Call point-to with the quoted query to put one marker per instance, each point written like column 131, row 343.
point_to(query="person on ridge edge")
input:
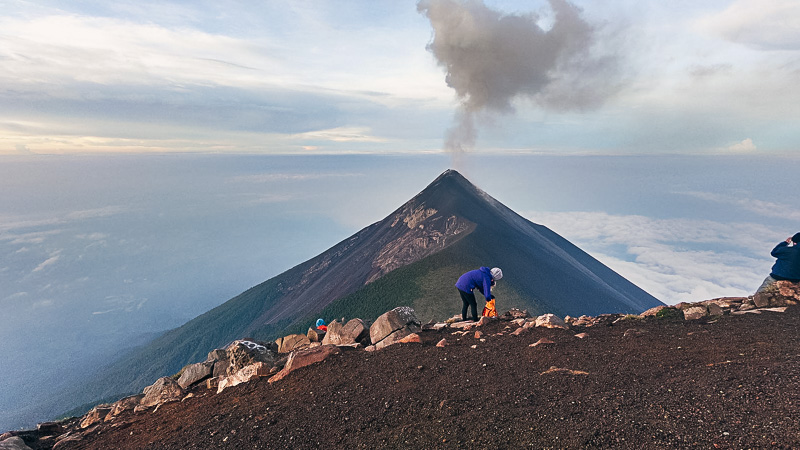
column 479, row 278
column 787, row 266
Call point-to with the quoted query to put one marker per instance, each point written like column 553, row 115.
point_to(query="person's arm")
column 780, row 248
column 487, row 287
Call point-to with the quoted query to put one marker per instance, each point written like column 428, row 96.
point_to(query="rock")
column 581, row 335
column 411, row 338
column 49, row 428
column 782, row 293
column 746, row 305
column 541, row 342
column 66, row 441
column 550, row 321
column 442, row 343
column 529, row 324
column 393, row 338
column 243, row 375
column 96, row 415
column 194, row 373
column 123, row 404
column 13, row 443
column 292, row 342
column 727, row 302
column 212, row 383
column 163, row 390
column 518, row 331
column 514, row 313
column 519, row 322
column 554, row 369
column 353, row 332
column 304, row 358
column 484, row 320
column 242, row 353
column 463, row 325
column 694, row 312
column 780, row 309
column 652, row 311
column 633, row 332
column 315, row 334
column 714, row 309
column 478, row 335
column 388, row 323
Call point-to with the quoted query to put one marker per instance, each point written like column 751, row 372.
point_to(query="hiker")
column 787, row 265
column 321, row 325
column 479, row 278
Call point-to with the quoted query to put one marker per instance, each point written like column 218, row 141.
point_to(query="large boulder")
column 165, row 389
column 244, row 375
column 306, row 357
column 353, row 332
column 782, row 293
column 292, row 342
column 399, row 321
column 550, row 321
column 13, row 443
column 315, row 334
column 242, row 353
column 194, row 373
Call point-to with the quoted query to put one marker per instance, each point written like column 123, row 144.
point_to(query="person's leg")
column 474, row 305
column 465, row 304
column 769, row 281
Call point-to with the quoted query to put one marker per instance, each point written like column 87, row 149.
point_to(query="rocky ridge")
column 245, row 360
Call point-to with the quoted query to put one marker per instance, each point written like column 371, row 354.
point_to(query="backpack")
column 489, row 310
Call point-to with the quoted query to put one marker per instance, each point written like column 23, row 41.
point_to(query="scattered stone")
column 484, row 320
column 780, row 309
column 304, row 358
column 519, row 322
column 464, row 325
column 694, row 312
column 66, row 441
column 163, row 390
column 194, row 373
column 188, row 396
column 518, row 331
column 478, row 334
column 541, row 341
column 581, row 335
column 96, row 415
column 714, row 309
column 442, row 343
column 292, row 342
column 747, row 311
column 554, row 369
column 244, row 375
column 474, row 346
column 411, row 338
column 212, row 383
column 515, row 313
column 550, row 321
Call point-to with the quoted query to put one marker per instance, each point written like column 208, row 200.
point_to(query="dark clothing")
column 478, row 278
column 468, row 298
column 787, row 266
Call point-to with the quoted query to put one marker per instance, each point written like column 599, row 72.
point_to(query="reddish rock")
column 484, row 320
column 244, row 375
column 514, row 313
column 400, row 318
column 393, row 338
column 304, row 358
column 554, row 369
column 353, row 332
column 541, row 341
column 95, row 416
column 581, row 335
column 442, row 343
column 518, row 331
column 292, row 342
column 411, row 338
column 212, row 383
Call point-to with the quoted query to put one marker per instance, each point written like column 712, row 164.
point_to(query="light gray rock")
column 163, row 390
column 243, row 353
column 96, row 415
column 292, row 342
column 194, row 373
column 124, row 404
column 550, row 321
column 388, row 323
column 13, row 443
column 694, row 312
column 353, row 332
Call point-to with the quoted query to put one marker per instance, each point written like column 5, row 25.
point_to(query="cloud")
column 761, row 24
column 290, row 176
column 762, row 207
column 54, row 257
column 746, row 145
column 673, row 259
column 340, row 134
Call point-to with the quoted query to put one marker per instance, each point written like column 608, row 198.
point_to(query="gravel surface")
column 641, row 383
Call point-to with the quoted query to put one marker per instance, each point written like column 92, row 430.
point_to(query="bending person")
column 479, row 278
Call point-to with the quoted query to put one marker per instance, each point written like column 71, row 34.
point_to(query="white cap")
column 497, row 273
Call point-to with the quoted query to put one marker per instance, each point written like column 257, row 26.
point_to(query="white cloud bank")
column 763, row 24
column 675, row 260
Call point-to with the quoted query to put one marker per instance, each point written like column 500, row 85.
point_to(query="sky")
column 159, row 158
column 645, row 76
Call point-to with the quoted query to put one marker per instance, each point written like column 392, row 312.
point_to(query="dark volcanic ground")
column 729, row 383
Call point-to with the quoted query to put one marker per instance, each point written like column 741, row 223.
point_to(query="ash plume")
column 493, row 58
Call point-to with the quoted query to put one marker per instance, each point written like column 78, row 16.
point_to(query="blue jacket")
column 478, row 278
column 787, row 267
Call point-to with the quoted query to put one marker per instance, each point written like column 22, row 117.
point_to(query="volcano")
column 412, row 257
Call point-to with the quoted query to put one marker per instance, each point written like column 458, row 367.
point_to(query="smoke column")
column 492, row 58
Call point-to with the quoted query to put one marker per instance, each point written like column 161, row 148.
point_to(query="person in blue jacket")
column 787, row 265
column 479, row 278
